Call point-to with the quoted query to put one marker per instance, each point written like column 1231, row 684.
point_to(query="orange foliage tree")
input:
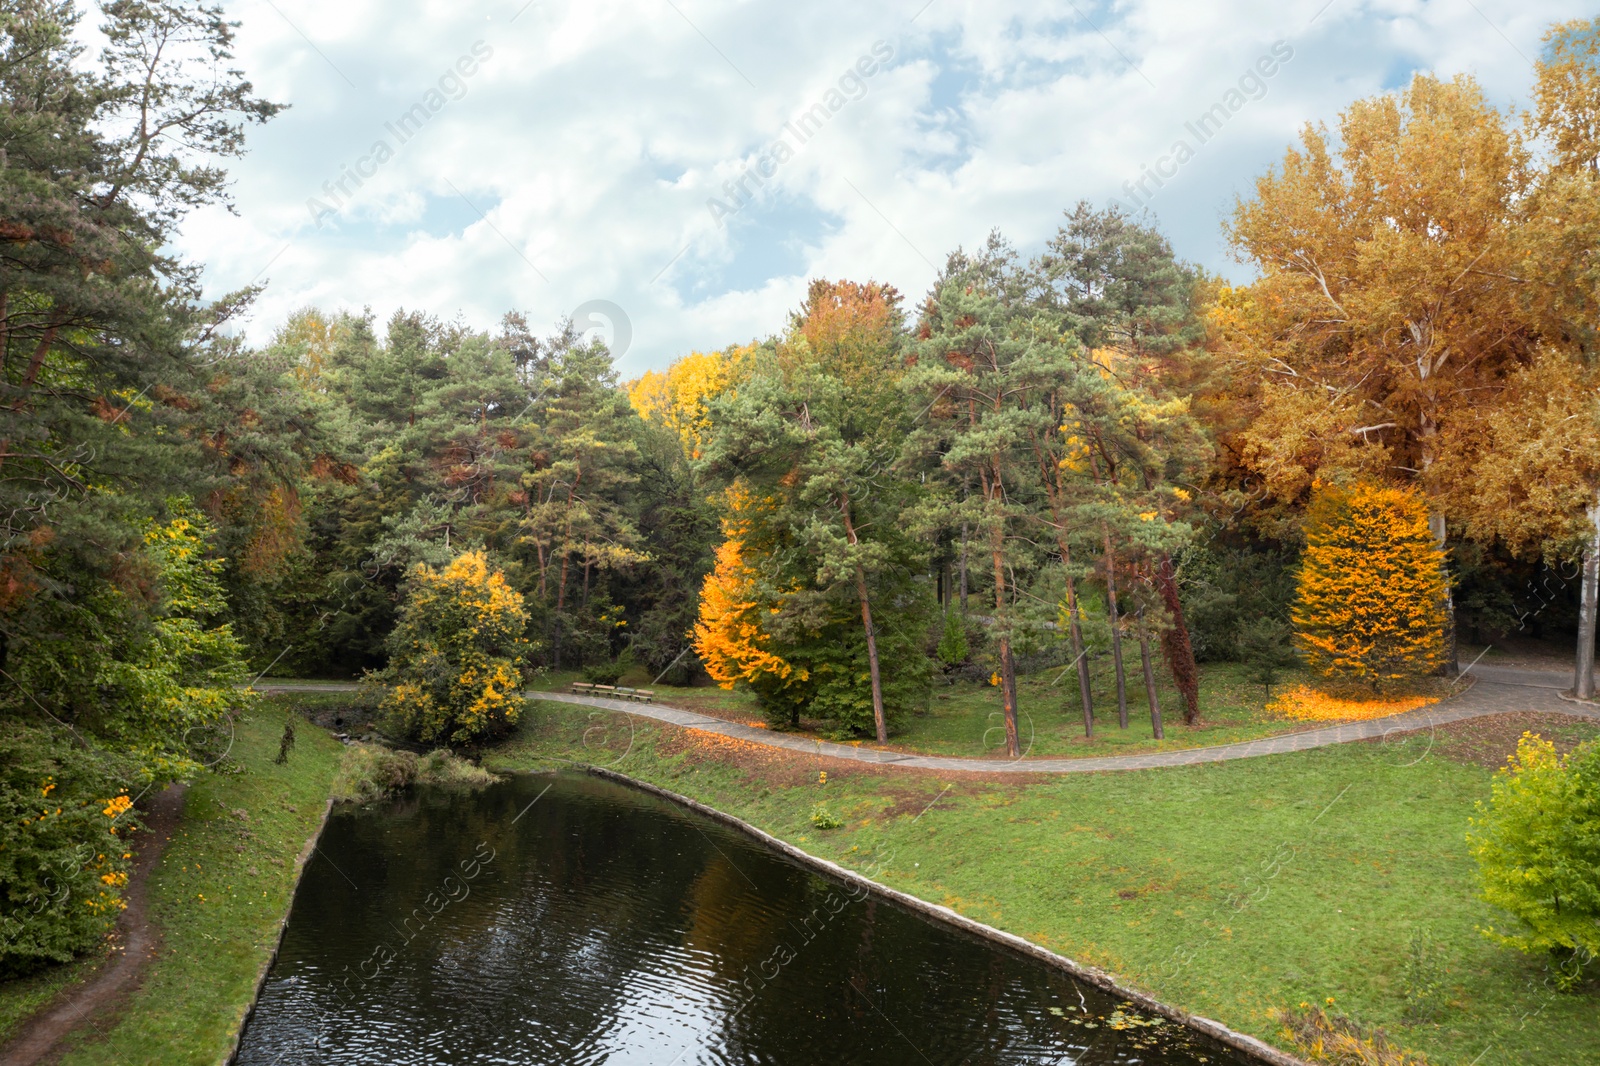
column 1370, row 607
column 729, row 637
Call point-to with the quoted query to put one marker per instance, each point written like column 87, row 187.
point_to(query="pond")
column 565, row 919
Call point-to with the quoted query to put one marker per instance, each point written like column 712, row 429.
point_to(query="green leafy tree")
column 814, row 430
column 1537, row 844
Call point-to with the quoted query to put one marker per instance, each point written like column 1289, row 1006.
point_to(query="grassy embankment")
column 962, row 717
column 217, row 897
column 1232, row 890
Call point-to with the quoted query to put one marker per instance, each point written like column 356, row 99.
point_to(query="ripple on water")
column 610, row 926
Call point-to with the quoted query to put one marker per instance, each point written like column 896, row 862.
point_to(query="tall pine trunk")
column 1116, row 630
column 1150, row 684
column 1175, row 643
column 878, row 720
column 1002, row 619
column 1583, row 682
column 1080, row 654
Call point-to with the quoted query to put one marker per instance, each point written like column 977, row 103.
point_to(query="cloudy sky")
column 564, row 158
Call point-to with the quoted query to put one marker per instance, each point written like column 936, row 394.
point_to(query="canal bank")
column 1107, row 982
column 216, row 902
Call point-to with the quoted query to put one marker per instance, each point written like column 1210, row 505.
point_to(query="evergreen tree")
column 1371, row 595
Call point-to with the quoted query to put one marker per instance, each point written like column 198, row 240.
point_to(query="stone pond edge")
column 1092, row 975
column 277, row 944
column 1099, row 978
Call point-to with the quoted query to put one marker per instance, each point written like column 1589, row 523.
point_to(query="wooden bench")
column 640, row 695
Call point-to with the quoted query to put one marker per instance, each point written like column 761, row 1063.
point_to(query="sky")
column 585, row 159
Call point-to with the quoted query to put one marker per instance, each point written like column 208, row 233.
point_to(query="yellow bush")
column 1371, row 605
column 458, row 654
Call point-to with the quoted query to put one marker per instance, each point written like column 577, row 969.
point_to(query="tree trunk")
column 36, row 364
column 1116, row 630
column 878, row 720
column 1150, row 685
column 1450, row 667
column 1175, row 643
column 1002, row 620
column 1080, row 655
column 1583, row 682
column 963, row 571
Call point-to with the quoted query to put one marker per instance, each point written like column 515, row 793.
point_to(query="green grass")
column 217, row 897
column 21, row 997
column 1232, row 890
column 964, row 718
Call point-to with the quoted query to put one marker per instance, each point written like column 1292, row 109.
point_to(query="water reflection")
column 603, row 925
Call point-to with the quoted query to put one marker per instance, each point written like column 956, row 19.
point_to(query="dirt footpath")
column 85, row 1008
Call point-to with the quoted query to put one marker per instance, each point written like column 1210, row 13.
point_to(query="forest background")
column 1099, row 451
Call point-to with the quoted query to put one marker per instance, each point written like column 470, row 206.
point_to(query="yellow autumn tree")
column 679, row 398
column 1370, row 606
column 729, row 637
column 458, row 654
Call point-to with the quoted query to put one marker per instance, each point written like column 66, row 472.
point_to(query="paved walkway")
column 1497, row 690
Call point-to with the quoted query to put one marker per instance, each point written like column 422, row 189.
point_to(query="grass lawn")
column 217, row 896
column 964, row 718
column 1232, row 890
column 21, row 997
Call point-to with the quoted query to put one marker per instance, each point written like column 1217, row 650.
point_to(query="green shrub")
column 371, row 772
column 65, row 828
column 953, row 648
column 1267, row 647
column 603, row 673
column 1538, row 849
column 822, row 818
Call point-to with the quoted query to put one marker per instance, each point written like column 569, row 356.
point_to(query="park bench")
column 641, row 695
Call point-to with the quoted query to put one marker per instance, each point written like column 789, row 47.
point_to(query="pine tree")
column 953, row 649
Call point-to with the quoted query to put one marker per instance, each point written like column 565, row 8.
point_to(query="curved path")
column 1497, row 691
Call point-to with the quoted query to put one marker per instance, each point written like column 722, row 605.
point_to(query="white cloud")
column 594, row 135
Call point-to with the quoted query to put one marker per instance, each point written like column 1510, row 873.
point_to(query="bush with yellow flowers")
column 65, row 823
column 458, row 656
column 1370, row 607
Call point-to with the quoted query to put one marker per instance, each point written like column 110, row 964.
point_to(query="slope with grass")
column 217, row 899
column 1234, row 890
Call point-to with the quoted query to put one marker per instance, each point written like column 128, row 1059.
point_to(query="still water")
column 564, row 919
